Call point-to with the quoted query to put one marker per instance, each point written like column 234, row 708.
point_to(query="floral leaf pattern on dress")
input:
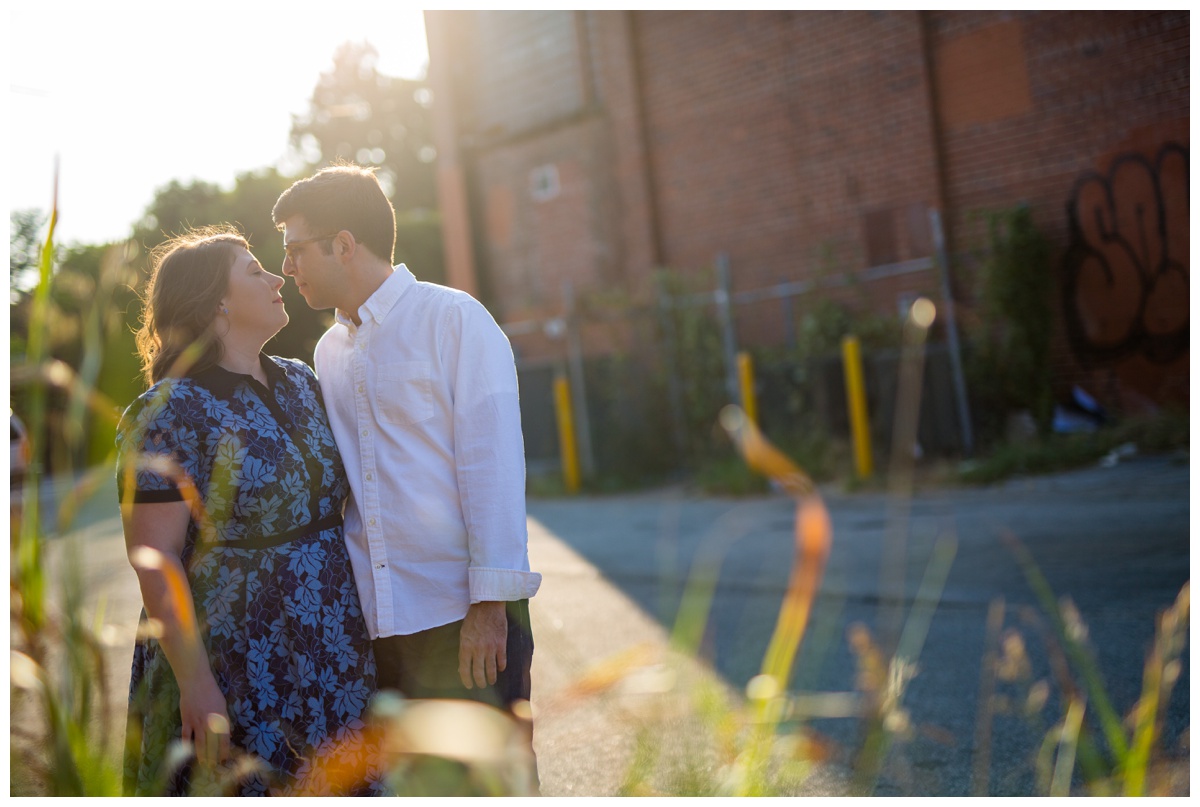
column 283, row 624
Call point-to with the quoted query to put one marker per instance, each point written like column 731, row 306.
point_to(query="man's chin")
column 313, row 303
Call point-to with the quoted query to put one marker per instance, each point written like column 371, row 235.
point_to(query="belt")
column 269, row 541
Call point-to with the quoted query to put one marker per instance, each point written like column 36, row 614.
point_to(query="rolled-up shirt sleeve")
column 489, row 455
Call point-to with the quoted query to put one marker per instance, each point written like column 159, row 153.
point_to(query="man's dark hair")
column 342, row 197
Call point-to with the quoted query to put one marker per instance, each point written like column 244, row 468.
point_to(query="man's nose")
column 288, row 267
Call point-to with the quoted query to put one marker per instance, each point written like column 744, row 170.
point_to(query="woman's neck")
column 243, row 359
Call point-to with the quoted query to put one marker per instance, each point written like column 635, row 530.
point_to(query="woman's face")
column 255, row 307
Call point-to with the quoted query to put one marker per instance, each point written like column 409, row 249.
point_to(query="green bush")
column 1008, row 366
column 1166, row 431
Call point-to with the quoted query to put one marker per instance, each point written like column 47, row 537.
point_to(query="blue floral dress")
column 274, row 593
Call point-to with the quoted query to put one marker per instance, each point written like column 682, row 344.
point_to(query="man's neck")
column 367, row 283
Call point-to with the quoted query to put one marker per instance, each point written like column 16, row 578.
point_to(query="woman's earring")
column 224, row 310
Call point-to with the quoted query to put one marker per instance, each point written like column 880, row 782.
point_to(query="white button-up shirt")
column 423, row 402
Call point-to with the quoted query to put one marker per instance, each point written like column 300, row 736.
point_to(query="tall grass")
column 752, row 743
column 759, row 744
column 57, row 669
column 1111, row 756
column 68, row 728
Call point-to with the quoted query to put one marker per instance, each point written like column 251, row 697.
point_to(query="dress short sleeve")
column 157, row 446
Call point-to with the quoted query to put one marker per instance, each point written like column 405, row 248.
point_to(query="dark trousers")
column 425, row 665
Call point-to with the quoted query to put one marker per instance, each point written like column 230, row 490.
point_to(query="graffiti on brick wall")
column 1127, row 265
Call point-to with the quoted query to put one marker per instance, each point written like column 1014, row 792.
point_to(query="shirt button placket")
column 376, row 548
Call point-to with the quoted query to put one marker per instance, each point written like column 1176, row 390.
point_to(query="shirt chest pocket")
column 404, row 392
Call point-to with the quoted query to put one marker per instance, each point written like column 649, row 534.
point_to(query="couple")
column 269, row 620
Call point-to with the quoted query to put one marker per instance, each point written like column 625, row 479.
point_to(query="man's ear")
column 344, row 245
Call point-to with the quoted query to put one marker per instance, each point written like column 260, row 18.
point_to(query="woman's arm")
column 154, row 538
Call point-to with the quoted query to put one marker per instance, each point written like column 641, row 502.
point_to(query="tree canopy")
column 356, row 113
column 361, row 115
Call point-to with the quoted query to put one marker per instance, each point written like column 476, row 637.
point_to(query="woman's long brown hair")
column 189, row 277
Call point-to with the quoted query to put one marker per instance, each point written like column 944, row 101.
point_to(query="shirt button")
column 365, row 432
column 369, row 477
column 380, row 565
column 360, row 387
column 372, row 522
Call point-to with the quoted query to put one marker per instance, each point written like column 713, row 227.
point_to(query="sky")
column 129, row 96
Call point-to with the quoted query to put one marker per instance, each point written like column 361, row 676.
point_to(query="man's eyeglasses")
column 290, row 248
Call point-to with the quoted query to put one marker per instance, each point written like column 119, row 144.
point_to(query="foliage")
column 361, row 115
column 178, row 207
column 694, row 360
column 727, row 476
column 812, row 449
column 419, row 245
column 24, row 247
column 756, row 745
column 87, row 296
column 65, row 739
column 826, row 322
column 247, row 206
column 67, row 695
column 1008, row 365
column 353, row 108
column 629, row 421
column 760, row 746
column 1165, row 431
column 1113, row 756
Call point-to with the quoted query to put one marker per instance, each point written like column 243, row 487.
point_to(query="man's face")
column 319, row 276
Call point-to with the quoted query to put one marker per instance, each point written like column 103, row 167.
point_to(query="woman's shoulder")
column 168, row 405
column 173, row 399
column 165, row 393
column 293, row 368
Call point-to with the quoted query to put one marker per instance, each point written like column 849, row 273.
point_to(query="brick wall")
column 1029, row 102
column 805, row 143
column 780, row 137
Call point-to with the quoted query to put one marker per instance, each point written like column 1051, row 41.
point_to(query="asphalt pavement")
column 1113, row 540
column 616, row 711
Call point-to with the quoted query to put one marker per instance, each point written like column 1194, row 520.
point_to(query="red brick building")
column 591, row 147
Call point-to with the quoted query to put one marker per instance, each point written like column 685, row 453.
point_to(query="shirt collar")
column 384, row 299
column 223, row 382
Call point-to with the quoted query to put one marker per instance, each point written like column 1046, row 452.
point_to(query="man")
column 421, row 389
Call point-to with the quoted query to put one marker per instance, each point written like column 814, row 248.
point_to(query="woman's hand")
column 155, row 535
column 205, row 718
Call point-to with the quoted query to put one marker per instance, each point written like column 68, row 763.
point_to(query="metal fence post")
column 960, row 384
column 724, row 299
column 670, row 359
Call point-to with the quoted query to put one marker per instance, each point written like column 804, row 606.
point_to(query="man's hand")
column 483, row 644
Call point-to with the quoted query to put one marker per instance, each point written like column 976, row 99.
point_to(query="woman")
column 253, row 647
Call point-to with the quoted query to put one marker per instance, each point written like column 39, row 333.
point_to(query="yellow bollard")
column 856, row 400
column 566, row 434
column 745, row 365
